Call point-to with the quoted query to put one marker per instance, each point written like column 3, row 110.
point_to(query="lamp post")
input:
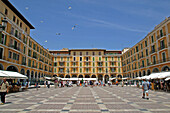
column 2, row 27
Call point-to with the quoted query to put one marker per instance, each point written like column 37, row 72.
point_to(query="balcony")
column 159, row 36
column 14, row 47
column 61, row 72
column 162, row 47
column 159, row 61
column 153, row 51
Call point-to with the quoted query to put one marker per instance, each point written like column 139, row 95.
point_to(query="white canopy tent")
column 113, row 78
column 164, row 75
column 167, row 79
column 12, row 75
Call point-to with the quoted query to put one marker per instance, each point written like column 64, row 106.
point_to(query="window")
column 152, row 38
column 153, row 48
column 20, row 24
column 80, row 53
column 12, row 31
column 74, row 58
column 99, row 53
column 29, row 63
column 17, row 21
column 24, row 49
column 80, row 70
column 106, row 64
column 6, row 11
column 93, row 59
column 154, row 59
column 9, row 54
column 143, row 63
column 147, row 62
column 80, row 58
column 34, row 46
column 146, row 44
column 61, row 58
column 19, row 36
column 141, row 46
column 14, row 18
column 67, row 58
column 162, row 44
column 93, row 70
column 119, row 70
column 146, row 52
column 112, row 58
column 3, row 39
column 99, row 58
column 93, row 64
column 161, row 33
column 119, row 64
column 26, row 29
column 93, row 53
column 118, row 58
column 136, row 48
column 55, row 63
column 80, row 64
column 16, row 33
column 87, row 53
column 163, row 57
column 106, row 59
column 74, row 53
column 14, row 56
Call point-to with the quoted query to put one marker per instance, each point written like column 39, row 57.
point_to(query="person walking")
column 48, row 84
column 36, row 84
column 4, row 90
column 55, row 83
column 45, row 84
column 145, row 86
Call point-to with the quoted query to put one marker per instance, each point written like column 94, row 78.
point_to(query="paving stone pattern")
column 113, row 99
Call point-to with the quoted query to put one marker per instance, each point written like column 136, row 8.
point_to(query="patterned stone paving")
column 113, row 99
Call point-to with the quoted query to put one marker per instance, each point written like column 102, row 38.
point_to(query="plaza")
column 115, row 99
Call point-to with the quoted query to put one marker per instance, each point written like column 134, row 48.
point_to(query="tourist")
column 117, row 83
column 48, row 84
column 55, row 83
column 36, row 84
column 126, row 83
column 145, row 87
column 101, row 83
column 4, row 90
column 44, row 84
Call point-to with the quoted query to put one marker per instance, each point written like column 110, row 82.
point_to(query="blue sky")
column 108, row 24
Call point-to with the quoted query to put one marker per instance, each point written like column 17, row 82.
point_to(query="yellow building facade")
column 152, row 54
column 87, row 63
column 18, row 51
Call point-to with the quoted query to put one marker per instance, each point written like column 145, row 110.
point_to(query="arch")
column 106, row 79
column 148, row 72
column 1, row 67
column 54, row 75
column 140, row 74
column 12, row 68
column 119, row 76
column 32, row 75
column 28, row 74
column 22, row 71
column 39, row 75
column 136, row 74
column 67, row 76
column 143, row 73
column 100, row 77
column 165, row 68
column 155, row 70
column 74, row 76
column 36, row 75
column 62, row 76
column 93, row 76
column 87, row 76
column 80, row 76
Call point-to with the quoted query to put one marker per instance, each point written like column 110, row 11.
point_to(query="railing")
column 159, row 61
column 162, row 47
column 14, row 47
column 159, row 36
column 153, row 51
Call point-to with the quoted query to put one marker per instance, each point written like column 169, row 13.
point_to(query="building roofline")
column 6, row 2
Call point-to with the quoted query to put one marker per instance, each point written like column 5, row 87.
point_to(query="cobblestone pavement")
column 86, row 100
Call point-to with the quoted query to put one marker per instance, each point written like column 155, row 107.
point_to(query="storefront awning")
column 12, row 75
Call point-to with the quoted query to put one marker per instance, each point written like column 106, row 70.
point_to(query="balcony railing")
column 159, row 36
column 153, row 51
column 14, row 47
column 162, row 47
column 159, row 61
